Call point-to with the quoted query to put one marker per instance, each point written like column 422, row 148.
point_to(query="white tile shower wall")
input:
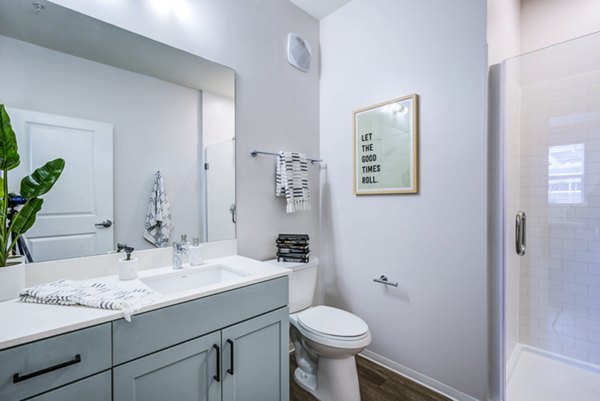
column 560, row 274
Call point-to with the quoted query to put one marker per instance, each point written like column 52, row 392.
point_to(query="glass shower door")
column 220, row 191
column 552, row 175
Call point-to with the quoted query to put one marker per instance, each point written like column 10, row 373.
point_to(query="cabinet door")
column 185, row 372
column 94, row 388
column 255, row 359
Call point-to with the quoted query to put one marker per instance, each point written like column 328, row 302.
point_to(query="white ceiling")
column 319, row 8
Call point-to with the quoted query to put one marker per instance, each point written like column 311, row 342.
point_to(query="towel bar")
column 255, row 153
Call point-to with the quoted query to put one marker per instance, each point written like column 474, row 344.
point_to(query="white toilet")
column 326, row 339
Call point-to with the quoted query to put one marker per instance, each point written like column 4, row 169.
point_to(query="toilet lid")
column 332, row 321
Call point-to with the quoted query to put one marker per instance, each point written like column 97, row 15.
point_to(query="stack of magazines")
column 293, row 248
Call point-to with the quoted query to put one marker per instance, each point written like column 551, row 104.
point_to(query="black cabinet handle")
column 217, row 377
column 231, row 358
column 18, row 378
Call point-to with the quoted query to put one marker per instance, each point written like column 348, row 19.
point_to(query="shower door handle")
column 233, row 211
column 520, row 232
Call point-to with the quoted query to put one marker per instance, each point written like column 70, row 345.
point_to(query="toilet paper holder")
column 383, row 279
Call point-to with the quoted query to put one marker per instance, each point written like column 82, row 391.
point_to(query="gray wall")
column 548, row 22
column 503, row 29
column 433, row 243
column 277, row 106
column 47, row 81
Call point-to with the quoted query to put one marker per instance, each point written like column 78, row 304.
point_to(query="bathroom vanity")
column 221, row 342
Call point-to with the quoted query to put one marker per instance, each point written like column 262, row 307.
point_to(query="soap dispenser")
column 196, row 252
column 128, row 266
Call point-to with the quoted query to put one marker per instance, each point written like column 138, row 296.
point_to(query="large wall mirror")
column 118, row 107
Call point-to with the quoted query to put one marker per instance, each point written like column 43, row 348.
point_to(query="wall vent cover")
column 299, row 53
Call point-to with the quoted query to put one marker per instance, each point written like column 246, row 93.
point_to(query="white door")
column 68, row 224
column 220, row 191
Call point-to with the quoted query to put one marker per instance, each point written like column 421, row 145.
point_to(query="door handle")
column 520, row 233
column 231, row 358
column 217, row 377
column 105, row 224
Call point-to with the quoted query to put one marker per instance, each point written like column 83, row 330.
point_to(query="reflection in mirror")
column 118, row 107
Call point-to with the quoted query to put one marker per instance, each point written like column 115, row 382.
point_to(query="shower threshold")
column 534, row 374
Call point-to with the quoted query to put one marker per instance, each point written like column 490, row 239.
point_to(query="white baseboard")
column 417, row 377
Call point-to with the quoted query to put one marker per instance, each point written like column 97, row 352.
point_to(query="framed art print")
column 386, row 147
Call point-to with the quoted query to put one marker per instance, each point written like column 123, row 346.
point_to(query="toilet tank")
column 302, row 283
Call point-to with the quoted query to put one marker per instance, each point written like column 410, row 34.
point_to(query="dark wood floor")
column 376, row 384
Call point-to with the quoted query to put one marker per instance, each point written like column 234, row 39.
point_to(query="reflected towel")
column 292, row 180
column 159, row 221
column 126, row 297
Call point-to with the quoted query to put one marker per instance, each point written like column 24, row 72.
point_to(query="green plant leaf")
column 1, row 188
column 25, row 217
column 42, row 179
column 9, row 152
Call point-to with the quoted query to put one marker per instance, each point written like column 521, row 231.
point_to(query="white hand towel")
column 292, row 180
column 159, row 221
column 117, row 296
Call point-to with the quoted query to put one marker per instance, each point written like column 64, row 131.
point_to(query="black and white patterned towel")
column 292, row 180
column 159, row 220
column 124, row 297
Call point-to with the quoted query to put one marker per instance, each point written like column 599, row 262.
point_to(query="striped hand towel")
column 159, row 221
column 127, row 297
column 292, row 180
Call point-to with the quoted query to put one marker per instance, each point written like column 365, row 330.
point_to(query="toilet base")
column 336, row 379
column 306, row 381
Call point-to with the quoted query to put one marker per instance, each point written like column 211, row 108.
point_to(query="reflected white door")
column 220, row 191
column 68, row 224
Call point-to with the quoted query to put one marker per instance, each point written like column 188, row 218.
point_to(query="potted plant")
column 12, row 274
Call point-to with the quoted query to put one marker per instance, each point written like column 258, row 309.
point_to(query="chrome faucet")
column 178, row 251
column 123, row 247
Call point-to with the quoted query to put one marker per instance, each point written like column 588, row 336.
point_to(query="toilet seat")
column 332, row 322
column 332, row 327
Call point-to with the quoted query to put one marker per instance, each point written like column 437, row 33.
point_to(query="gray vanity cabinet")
column 256, row 359
column 37, row 368
column 185, row 372
column 94, row 388
column 231, row 346
column 244, row 362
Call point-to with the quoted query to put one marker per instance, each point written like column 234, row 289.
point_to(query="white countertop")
column 21, row 322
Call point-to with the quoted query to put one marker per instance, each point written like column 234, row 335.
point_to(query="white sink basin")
column 192, row 278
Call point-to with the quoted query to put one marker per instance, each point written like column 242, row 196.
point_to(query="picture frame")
column 386, row 147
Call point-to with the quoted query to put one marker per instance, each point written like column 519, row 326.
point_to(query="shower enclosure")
column 545, row 166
